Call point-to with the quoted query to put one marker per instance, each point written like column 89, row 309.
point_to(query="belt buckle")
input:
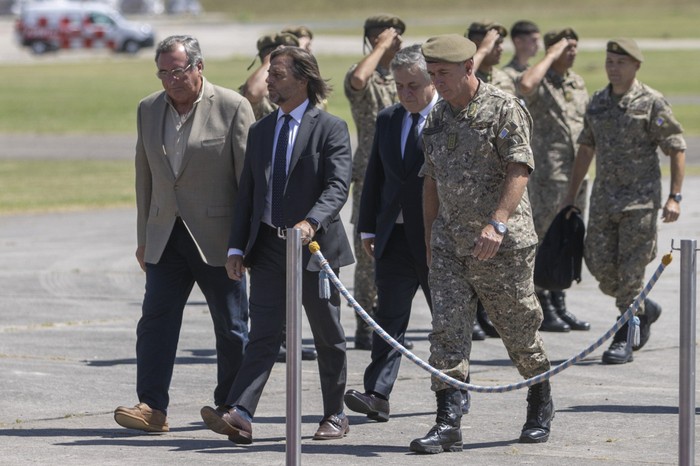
column 281, row 232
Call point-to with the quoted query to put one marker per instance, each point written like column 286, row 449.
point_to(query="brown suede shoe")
column 332, row 428
column 141, row 417
column 231, row 423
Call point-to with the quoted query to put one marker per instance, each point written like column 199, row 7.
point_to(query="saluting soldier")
column 486, row 69
column 624, row 125
column 370, row 87
column 526, row 41
column 556, row 97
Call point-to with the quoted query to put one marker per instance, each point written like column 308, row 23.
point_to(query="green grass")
column 101, row 97
column 591, row 18
column 55, row 185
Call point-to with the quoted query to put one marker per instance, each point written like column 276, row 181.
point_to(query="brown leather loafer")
column 141, row 417
column 332, row 428
column 231, row 423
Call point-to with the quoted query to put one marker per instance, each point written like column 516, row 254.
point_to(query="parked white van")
column 49, row 26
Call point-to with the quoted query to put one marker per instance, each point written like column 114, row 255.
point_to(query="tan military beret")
column 625, row 47
column 271, row 41
column 299, row 31
column 479, row 29
column 385, row 21
column 552, row 37
column 451, row 48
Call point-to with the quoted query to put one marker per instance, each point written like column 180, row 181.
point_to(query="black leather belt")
column 279, row 232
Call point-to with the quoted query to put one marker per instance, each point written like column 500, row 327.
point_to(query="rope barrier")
column 328, row 274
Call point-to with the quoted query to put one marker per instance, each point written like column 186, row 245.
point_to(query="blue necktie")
column 279, row 174
column 411, row 147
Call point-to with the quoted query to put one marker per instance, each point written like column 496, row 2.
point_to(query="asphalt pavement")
column 70, row 298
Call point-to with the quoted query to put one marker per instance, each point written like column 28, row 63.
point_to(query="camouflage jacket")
column 625, row 136
column 379, row 93
column 514, row 69
column 557, row 107
column 467, row 153
column 499, row 78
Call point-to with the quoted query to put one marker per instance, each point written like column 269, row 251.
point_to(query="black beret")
column 385, row 21
column 479, row 29
column 552, row 37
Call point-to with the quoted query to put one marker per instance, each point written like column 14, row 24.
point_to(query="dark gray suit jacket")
column 317, row 186
column 390, row 187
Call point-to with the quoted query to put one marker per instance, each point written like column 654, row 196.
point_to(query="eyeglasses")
column 177, row 73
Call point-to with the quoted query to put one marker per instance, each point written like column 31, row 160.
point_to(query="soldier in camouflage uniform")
column 369, row 86
column 480, row 233
column 526, row 41
column 255, row 87
column 489, row 40
column 486, row 68
column 556, row 98
column 625, row 123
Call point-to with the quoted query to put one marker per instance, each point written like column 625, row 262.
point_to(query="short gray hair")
column 408, row 57
column 191, row 45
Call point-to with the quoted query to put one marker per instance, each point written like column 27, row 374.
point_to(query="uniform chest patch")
column 451, row 141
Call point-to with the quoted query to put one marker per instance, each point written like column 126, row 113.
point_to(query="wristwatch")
column 501, row 228
column 678, row 197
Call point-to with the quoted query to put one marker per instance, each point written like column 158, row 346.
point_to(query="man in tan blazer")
column 189, row 157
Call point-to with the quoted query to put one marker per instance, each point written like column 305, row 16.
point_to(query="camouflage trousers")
column 365, row 290
column 617, row 249
column 505, row 287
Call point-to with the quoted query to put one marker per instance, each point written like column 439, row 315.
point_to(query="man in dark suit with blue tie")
column 391, row 224
column 296, row 174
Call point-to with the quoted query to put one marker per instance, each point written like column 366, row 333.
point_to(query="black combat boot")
column 540, row 412
column 466, row 398
column 619, row 352
column 478, row 333
column 483, row 319
column 652, row 311
column 559, row 303
column 551, row 321
column 446, row 434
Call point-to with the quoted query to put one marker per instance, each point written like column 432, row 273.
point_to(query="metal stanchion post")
column 686, row 418
column 293, row 430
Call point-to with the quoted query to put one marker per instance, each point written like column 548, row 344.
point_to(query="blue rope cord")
column 626, row 316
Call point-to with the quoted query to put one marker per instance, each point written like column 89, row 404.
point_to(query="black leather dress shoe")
column 307, row 354
column 370, row 404
column 408, row 344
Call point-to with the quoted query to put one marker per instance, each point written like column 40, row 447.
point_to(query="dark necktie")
column 279, row 174
column 411, row 148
